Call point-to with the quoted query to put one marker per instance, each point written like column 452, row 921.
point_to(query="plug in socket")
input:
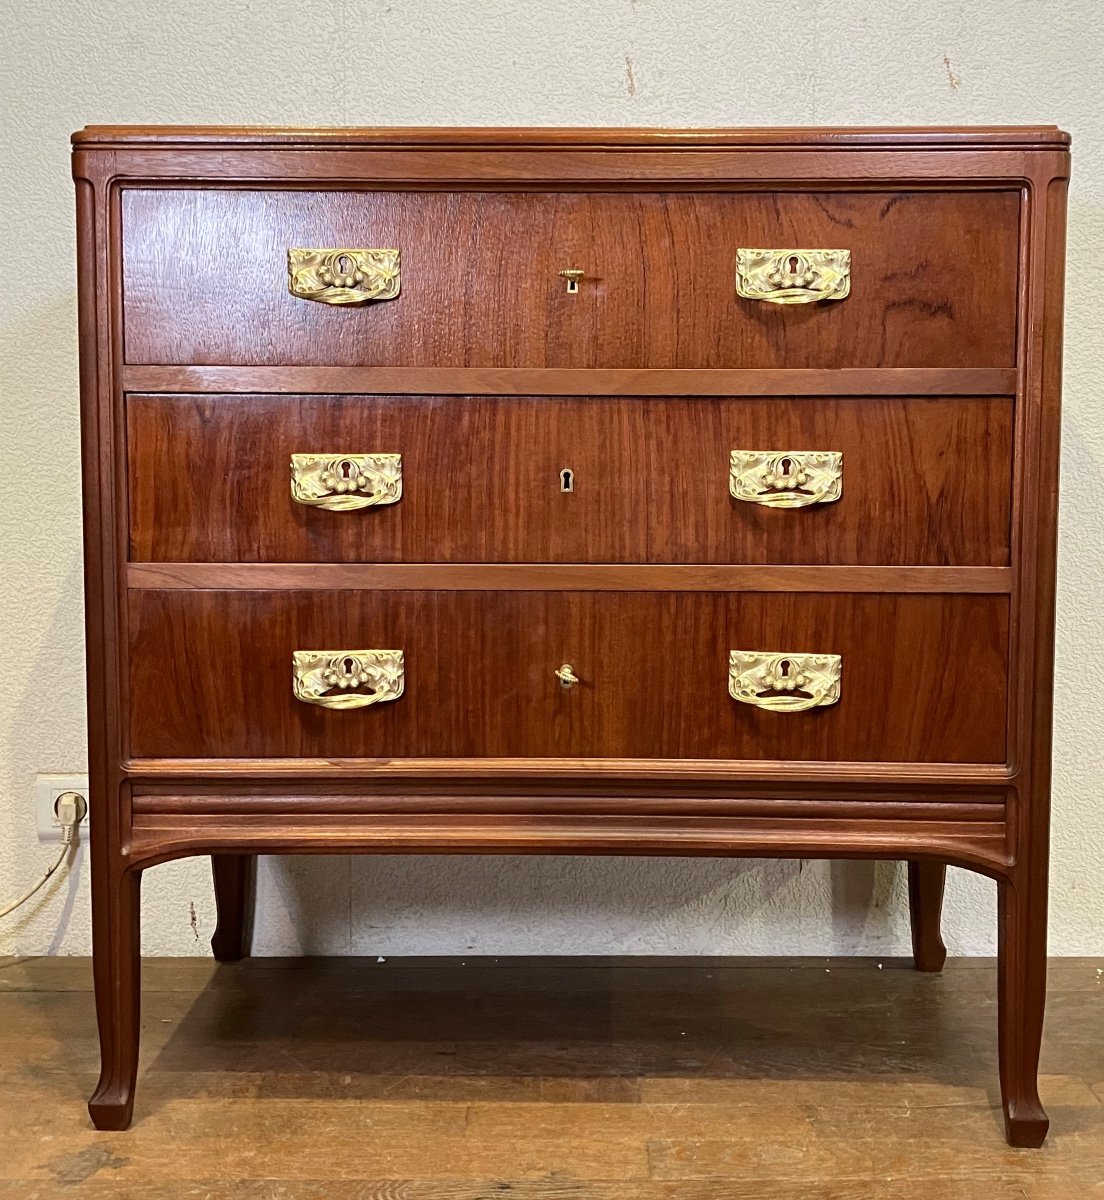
column 48, row 792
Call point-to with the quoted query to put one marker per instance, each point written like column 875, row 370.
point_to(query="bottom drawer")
column 922, row 677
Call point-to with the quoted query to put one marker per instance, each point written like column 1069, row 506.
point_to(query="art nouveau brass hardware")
column 784, row 682
column 793, row 276
column 572, row 275
column 341, row 482
column 566, row 675
column 343, row 276
column 786, row 478
column 347, row 678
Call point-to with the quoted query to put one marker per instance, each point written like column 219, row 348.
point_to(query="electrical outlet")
column 47, row 790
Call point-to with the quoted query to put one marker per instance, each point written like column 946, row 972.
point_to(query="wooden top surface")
column 1019, row 137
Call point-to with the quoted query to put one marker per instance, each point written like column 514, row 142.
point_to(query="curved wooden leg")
column 1021, row 984
column 117, row 962
column 234, row 879
column 925, row 886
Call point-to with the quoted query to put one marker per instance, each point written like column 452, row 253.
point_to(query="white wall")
column 559, row 62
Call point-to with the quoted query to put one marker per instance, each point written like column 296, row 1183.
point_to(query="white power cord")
column 71, row 810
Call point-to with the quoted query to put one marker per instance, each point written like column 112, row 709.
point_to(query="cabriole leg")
column 1021, row 984
column 925, row 887
column 234, row 879
column 116, row 946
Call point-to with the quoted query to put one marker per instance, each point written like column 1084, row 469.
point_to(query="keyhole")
column 567, row 480
column 572, row 275
column 786, row 466
column 348, row 666
column 344, row 264
column 346, row 470
column 784, row 668
column 791, row 266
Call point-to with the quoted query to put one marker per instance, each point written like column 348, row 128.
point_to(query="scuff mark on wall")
column 952, row 78
column 630, row 77
column 194, row 922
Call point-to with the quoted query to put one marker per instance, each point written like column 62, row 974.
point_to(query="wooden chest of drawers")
column 650, row 492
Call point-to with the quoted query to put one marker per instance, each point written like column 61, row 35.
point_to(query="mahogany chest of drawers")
column 577, row 491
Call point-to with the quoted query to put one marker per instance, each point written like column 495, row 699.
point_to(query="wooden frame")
column 990, row 818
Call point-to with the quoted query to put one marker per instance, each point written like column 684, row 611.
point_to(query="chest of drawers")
column 578, row 491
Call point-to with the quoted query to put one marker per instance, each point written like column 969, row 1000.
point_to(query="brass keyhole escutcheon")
column 566, row 675
column 786, row 478
column 347, row 679
column 792, row 276
column 572, row 275
column 341, row 271
column 795, row 272
column 340, row 276
column 788, row 679
column 784, row 682
column 567, row 480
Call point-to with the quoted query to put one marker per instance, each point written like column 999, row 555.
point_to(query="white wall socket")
column 47, row 790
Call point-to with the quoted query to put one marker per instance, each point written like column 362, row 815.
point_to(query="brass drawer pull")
column 783, row 682
column 793, row 276
column 343, row 276
column 786, row 478
column 346, row 678
column 341, row 482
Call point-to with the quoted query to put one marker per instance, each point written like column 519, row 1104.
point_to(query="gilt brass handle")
column 346, row 678
column 784, row 682
column 343, row 276
column 566, row 675
column 342, row 482
column 786, row 478
column 793, row 276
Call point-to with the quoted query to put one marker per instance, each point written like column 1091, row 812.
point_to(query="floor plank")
column 564, row 1079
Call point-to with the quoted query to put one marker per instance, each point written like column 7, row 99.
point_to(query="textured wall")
column 565, row 62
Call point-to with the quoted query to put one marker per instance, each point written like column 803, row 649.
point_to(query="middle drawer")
column 826, row 480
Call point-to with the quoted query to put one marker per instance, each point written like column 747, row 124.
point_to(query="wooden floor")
column 611, row 1079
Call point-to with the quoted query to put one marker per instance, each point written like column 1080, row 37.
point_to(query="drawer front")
column 922, row 678
column 932, row 282
column 919, row 481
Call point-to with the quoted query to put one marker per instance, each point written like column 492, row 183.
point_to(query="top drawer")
column 933, row 279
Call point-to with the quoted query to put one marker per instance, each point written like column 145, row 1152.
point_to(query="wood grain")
column 373, row 800
column 697, row 168
column 925, row 480
column 974, row 845
column 586, row 577
column 210, row 675
column 574, row 776
column 480, row 282
column 570, row 381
